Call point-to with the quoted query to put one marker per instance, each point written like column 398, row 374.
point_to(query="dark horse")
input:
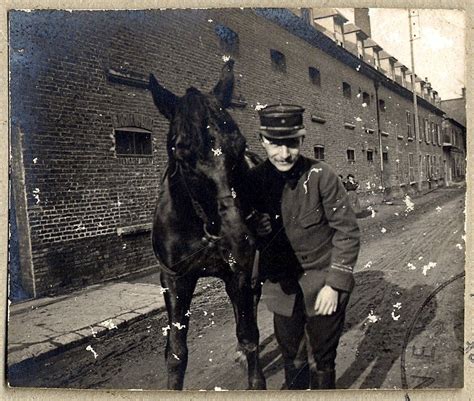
column 199, row 225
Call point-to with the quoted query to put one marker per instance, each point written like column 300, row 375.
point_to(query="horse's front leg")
column 244, row 301
column 178, row 295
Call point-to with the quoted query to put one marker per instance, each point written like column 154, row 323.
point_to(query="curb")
column 81, row 336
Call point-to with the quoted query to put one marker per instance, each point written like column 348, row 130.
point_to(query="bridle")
column 208, row 240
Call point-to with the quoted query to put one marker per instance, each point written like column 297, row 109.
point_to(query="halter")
column 208, row 239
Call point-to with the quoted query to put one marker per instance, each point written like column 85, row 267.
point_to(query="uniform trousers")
column 308, row 343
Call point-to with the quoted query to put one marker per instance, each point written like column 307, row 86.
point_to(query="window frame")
column 353, row 153
column 134, row 132
column 314, row 76
column 278, row 60
column 346, row 90
column 321, row 148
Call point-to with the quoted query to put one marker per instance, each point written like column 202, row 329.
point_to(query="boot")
column 297, row 378
column 323, row 379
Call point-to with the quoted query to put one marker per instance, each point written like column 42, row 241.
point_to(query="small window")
column 365, row 99
column 319, row 152
column 350, row 155
column 385, row 156
column 433, row 133
column 346, row 90
column 411, row 167
column 278, row 60
column 409, row 129
column 427, row 131
column 370, row 156
column 229, row 40
column 132, row 142
column 314, row 76
column 382, row 105
column 420, row 128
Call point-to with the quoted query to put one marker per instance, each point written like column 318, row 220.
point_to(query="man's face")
column 282, row 153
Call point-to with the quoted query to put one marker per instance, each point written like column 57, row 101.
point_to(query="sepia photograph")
column 237, row 199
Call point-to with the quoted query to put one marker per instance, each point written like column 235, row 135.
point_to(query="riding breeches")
column 308, row 344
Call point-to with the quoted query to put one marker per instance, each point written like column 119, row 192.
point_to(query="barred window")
column 132, row 141
column 319, row 152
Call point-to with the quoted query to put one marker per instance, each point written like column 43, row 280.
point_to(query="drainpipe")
column 379, row 134
column 417, row 136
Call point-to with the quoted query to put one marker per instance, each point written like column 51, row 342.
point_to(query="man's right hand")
column 264, row 226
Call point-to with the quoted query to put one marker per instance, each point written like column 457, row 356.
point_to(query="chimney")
column 362, row 19
column 463, row 93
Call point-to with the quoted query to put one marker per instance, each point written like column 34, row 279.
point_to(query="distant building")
column 88, row 144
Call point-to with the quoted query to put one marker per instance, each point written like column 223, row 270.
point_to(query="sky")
column 439, row 51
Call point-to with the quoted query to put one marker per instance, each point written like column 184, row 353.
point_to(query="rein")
column 208, row 239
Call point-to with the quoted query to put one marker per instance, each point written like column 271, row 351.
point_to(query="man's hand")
column 326, row 301
column 264, row 226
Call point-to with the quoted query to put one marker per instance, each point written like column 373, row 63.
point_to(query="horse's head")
column 206, row 146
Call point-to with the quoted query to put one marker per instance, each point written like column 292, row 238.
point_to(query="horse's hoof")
column 258, row 385
column 241, row 359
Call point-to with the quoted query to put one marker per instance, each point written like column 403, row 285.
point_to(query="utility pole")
column 411, row 14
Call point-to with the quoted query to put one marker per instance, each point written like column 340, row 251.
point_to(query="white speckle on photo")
column 89, row 348
column 108, row 324
column 427, row 267
column 305, row 184
column 217, row 152
column 179, row 326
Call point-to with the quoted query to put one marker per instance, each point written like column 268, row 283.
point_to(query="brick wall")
column 79, row 193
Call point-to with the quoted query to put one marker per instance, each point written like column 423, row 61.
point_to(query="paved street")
column 404, row 324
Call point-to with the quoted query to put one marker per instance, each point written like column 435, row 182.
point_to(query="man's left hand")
column 326, row 301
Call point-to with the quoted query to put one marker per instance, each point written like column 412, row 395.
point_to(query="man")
column 308, row 244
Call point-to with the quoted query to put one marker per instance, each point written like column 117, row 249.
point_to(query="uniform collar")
column 294, row 174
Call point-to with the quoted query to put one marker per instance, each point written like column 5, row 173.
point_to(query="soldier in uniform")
column 308, row 241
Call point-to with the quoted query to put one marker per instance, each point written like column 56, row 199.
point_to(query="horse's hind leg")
column 244, row 301
column 178, row 299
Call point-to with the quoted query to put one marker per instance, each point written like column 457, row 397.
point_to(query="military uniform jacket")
column 318, row 238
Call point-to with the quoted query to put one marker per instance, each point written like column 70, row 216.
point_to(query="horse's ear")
column 224, row 88
column 165, row 100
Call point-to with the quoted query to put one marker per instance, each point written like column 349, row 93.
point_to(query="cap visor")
column 283, row 135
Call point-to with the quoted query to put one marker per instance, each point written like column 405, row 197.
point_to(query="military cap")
column 282, row 121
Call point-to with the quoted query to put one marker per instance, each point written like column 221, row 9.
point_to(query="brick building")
column 88, row 145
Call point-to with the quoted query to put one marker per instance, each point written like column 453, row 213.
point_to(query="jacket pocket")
column 312, row 217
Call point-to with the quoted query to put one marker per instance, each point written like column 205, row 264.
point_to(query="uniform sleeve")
column 346, row 238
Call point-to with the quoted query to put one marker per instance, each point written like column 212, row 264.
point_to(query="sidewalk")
column 48, row 325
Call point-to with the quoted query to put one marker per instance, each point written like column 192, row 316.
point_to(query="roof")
column 371, row 43
column 296, row 26
column 319, row 13
column 383, row 55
